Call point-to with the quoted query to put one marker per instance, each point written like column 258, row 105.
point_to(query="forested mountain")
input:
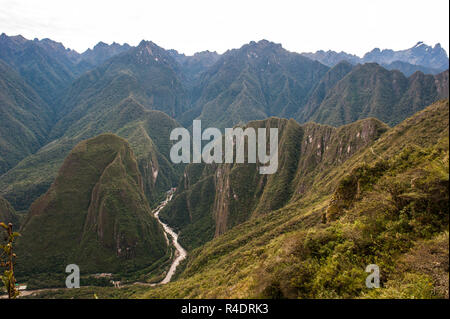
column 369, row 90
column 260, row 79
column 47, row 66
column 95, row 215
column 25, row 119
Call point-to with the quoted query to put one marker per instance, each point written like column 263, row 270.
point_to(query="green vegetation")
column 24, row 119
column 8, row 213
column 7, row 260
column 395, row 214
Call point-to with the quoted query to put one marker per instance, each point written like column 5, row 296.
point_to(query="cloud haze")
column 353, row 26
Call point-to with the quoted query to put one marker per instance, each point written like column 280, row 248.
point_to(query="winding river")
column 180, row 253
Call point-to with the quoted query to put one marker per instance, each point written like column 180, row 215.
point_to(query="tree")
column 7, row 258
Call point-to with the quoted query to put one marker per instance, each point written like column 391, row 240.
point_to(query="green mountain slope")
column 252, row 83
column 94, row 215
column 214, row 198
column 45, row 65
column 321, row 90
column 387, row 204
column 25, row 119
column 7, row 213
column 372, row 91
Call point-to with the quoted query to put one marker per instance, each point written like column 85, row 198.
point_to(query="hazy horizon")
column 351, row 26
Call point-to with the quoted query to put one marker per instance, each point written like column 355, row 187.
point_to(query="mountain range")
column 85, row 156
column 259, row 80
column 420, row 57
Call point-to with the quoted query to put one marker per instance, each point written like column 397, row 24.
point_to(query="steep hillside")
column 214, row 198
column 7, row 213
column 321, row 90
column 387, row 204
column 25, row 119
column 369, row 90
column 94, row 215
column 45, row 64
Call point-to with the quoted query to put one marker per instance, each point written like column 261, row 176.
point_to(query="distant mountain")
column 49, row 67
column 25, row 119
column 194, row 65
column 331, row 58
column 254, row 82
column 420, row 54
column 147, row 72
column 420, row 57
column 409, row 69
column 94, row 215
column 43, row 64
column 102, row 52
column 369, row 90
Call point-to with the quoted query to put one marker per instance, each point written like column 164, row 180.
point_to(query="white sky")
column 354, row 26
